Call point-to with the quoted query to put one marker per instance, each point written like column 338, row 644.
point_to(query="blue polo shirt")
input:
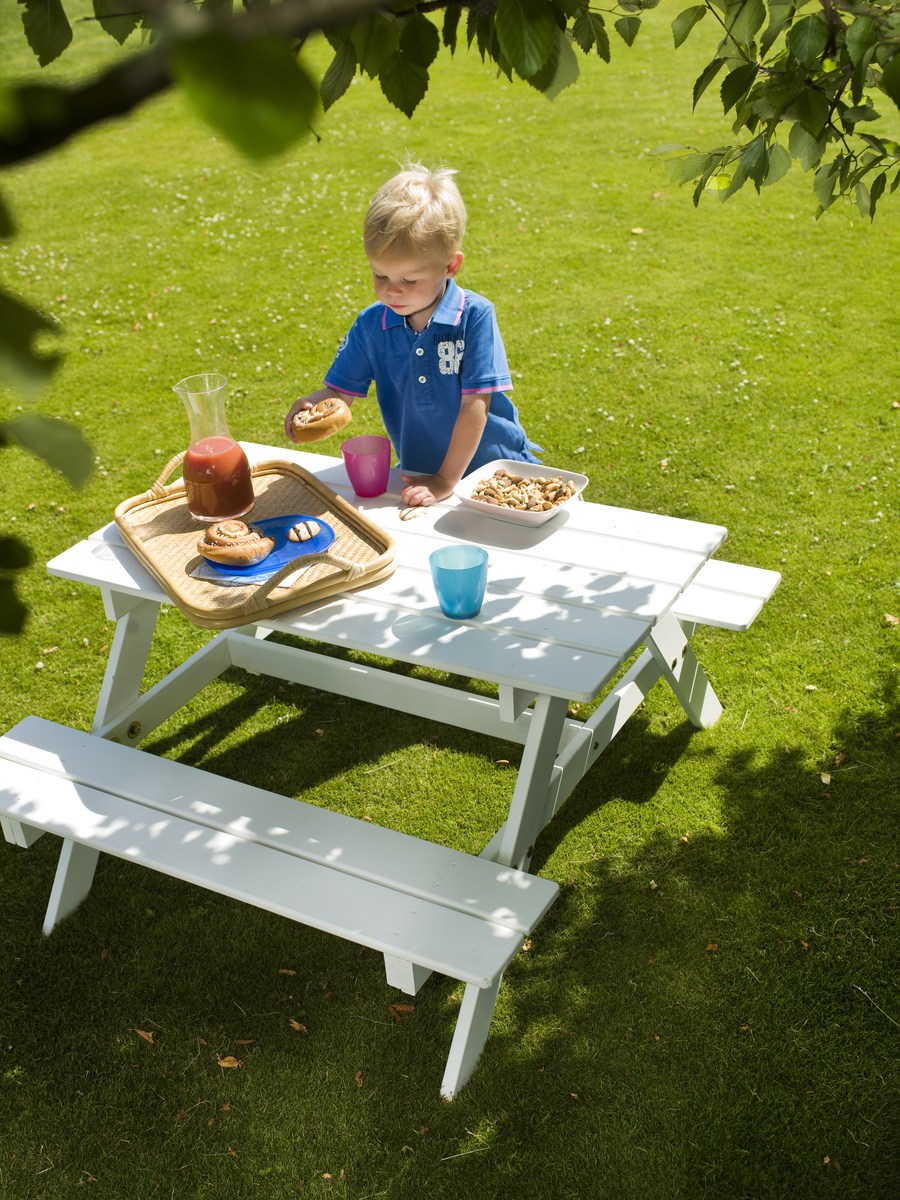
column 420, row 378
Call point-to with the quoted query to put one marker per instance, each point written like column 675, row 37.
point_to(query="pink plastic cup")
column 368, row 462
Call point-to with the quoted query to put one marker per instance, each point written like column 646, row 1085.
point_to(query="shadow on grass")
column 710, row 1014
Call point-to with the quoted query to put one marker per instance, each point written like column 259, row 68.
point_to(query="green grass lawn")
column 711, row 1007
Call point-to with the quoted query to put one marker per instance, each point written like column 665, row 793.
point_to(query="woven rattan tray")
column 159, row 530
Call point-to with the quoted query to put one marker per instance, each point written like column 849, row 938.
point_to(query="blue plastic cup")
column 460, row 575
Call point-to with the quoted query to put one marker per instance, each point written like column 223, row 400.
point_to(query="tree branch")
column 49, row 115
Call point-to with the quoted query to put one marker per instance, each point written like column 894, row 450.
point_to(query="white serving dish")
column 463, row 490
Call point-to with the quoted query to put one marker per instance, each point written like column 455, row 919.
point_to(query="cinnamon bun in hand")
column 321, row 421
column 235, row 544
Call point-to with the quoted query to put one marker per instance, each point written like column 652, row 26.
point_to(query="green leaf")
column 628, row 28
column 419, row 40
column 861, row 36
column 14, row 554
column 685, row 22
column 890, row 79
column 860, row 76
column 780, row 163
column 825, row 180
column 811, row 109
column 47, row 28
column 21, row 367
column 339, row 75
column 876, row 191
column 744, row 19
column 863, row 203
column 685, row 167
column 755, row 160
column 526, row 30
column 779, row 15
column 560, row 71
column 738, row 179
column 12, row 611
column 708, row 74
column 374, row 38
column 254, row 93
column 807, row 150
column 61, row 445
column 589, row 30
column 118, row 18
column 737, row 83
column 807, row 40
column 451, row 26
column 403, row 82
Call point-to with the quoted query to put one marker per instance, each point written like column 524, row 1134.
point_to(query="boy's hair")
column 417, row 211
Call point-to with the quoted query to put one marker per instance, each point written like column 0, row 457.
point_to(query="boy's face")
column 412, row 285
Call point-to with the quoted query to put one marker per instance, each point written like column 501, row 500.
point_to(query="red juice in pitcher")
column 217, row 479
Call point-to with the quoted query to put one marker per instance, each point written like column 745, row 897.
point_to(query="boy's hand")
column 425, row 489
column 297, row 406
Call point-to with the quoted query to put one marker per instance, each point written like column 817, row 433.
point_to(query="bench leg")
column 408, row 977
column 74, row 876
column 472, row 1027
column 670, row 647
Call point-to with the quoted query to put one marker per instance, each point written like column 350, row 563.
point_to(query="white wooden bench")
column 726, row 595
column 424, row 907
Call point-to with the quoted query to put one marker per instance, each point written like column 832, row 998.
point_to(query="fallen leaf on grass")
column 840, row 758
column 713, row 946
column 825, row 777
column 245, row 1041
column 359, row 1078
column 891, row 620
column 398, row 1011
column 297, row 1026
column 286, row 971
column 145, row 1034
column 228, row 1060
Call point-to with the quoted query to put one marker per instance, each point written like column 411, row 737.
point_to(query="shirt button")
column 420, row 351
column 421, row 379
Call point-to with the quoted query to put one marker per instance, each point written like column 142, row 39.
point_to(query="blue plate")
column 285, row 550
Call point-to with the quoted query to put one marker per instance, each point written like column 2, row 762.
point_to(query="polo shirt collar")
column 448, row 312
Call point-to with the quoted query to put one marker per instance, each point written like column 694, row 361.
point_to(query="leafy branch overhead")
column 806, row 83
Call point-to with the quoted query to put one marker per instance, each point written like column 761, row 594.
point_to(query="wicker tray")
column 159, row 530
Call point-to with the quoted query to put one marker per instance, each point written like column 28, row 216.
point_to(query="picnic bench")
column 566, row 608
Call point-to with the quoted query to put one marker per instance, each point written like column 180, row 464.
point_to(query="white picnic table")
column 568, row 604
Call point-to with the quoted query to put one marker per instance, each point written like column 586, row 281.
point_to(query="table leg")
column 533, row 799
column 668, row 644
column 127, row 661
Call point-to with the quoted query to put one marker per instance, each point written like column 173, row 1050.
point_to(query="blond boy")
column 432, row 349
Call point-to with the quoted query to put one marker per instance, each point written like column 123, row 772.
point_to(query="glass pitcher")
column 216, row 471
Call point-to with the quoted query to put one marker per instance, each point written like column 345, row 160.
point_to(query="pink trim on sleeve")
column 345, row 391
column 485, row 391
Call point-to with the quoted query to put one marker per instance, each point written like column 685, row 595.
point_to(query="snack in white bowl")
column 520, row 492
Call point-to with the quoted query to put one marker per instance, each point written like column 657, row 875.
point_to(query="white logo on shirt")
column 450, row 356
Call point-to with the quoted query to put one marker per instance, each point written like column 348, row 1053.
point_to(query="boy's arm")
column 427, row 489
column 309, row 401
